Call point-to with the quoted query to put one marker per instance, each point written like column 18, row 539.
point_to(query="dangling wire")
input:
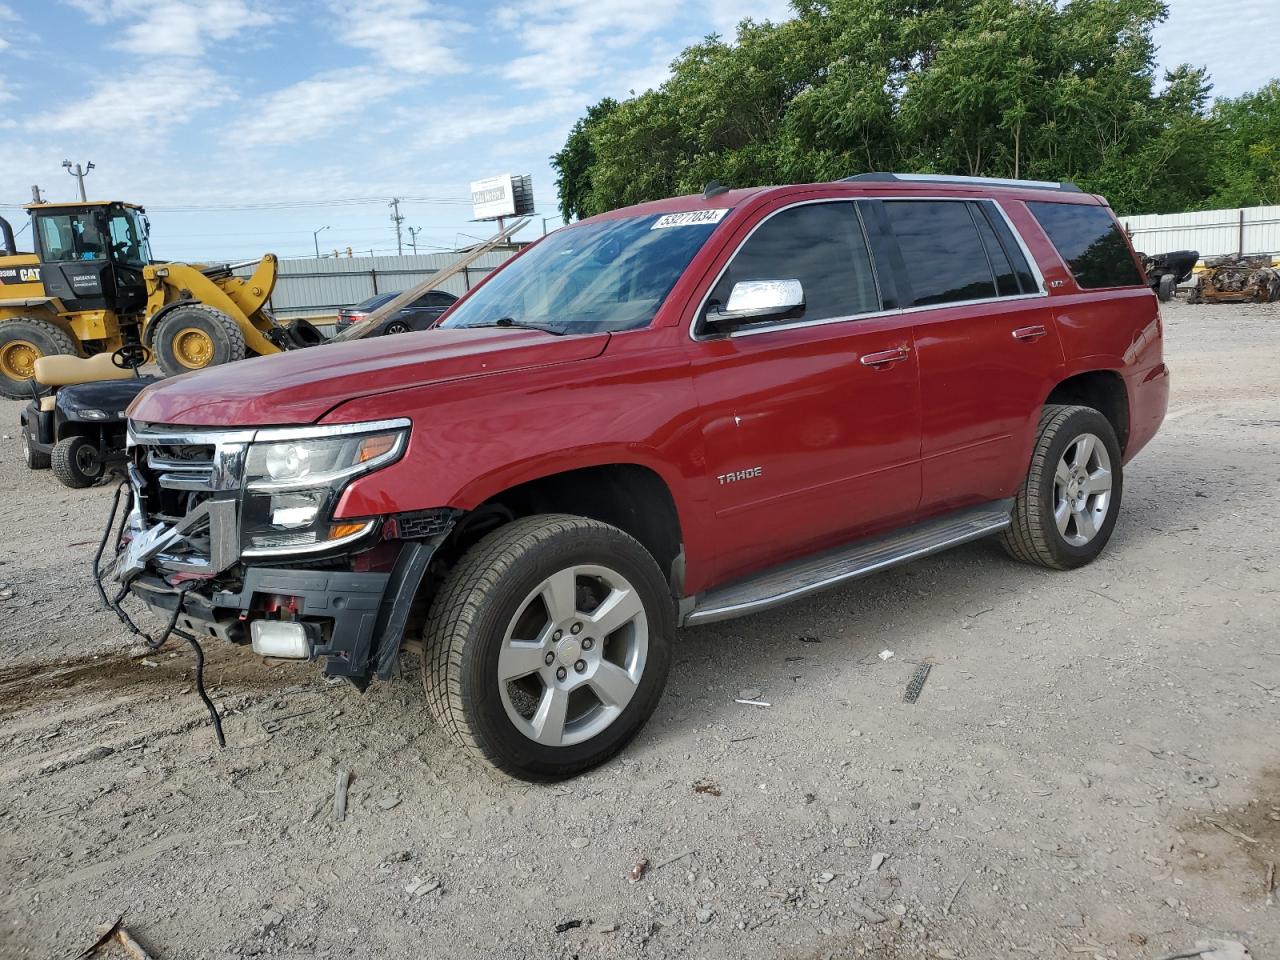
column 213, row 711
column 171, row 628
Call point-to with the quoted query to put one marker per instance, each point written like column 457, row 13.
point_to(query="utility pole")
column 35, row 194
column 413, row 238
column 79, row 174
column 397, row 218
column 315, row 235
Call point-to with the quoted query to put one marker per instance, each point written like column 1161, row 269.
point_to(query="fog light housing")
column 280, row 638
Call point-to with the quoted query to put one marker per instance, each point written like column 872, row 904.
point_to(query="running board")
column 858, row 559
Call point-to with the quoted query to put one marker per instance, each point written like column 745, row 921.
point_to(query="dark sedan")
column 416, row 316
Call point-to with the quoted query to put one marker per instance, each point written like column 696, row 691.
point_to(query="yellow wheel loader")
column 91, row 286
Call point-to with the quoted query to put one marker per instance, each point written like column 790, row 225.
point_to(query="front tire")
column 547, row 646
column 1067, row 506
column 194, row 336
column 22, row 342
column 77, row 463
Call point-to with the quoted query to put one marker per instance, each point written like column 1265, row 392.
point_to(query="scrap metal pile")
column 1233, row 279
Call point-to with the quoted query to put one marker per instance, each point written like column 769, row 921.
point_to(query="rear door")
column 985, row 338
column 811, row 425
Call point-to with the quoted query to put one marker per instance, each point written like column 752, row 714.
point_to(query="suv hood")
column 301, row 386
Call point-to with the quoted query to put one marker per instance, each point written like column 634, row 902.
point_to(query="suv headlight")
column 293, row 479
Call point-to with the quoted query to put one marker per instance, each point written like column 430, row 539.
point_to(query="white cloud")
column 142, row 105
column 176, row 28
column 573, row 41
column 725, row 15
column 570, row 42
column 468, row 119
column 314, row 107
column 400, row 34
column 1207, row 35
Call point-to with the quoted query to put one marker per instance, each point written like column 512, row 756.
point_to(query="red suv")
column 666, row 415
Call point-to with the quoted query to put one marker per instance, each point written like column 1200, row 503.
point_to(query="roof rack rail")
column 1064, row 186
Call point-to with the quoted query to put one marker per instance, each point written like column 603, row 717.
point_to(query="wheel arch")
column 633, row 497
column 1104, row 391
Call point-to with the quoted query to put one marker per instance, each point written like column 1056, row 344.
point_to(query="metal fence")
column 1247, row 230
column 317, row 288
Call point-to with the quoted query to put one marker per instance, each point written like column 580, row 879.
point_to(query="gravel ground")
column 1092, row 769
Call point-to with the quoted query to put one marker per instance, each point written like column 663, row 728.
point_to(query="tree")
column 575, row 161
column 1008, row 88
column 1248, row 169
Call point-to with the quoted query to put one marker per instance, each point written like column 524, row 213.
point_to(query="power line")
column 289, row 204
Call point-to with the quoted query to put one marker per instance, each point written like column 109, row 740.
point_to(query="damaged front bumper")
column 179, row 550
column 355, row 621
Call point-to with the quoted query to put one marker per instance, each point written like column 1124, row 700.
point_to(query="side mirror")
column 758, row 301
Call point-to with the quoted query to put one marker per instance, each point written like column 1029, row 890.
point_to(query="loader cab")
column 92, row 254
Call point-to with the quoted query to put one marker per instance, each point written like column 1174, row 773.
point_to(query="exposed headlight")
column 288, row 464
column 91, row 414
column 293, row 480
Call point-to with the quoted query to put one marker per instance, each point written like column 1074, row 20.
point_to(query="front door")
column 811, row 425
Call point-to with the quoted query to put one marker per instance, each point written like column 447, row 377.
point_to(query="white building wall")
column 1248, row 230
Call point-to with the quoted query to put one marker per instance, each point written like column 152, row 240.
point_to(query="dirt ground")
column 1092, row 769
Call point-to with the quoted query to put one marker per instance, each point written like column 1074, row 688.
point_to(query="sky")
column 244, row 126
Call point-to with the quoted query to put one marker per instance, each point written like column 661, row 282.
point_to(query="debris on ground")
column 421, row 886
column 1214, row 950
column 752, row 703
column 916, row 684
column 638, row 870
column 886, row 654
column 117, row 933
column 565, row 925
column 340, row 795
column 877, row 861
column 707, row 786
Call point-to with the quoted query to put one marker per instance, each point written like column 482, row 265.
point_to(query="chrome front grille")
column 177, row 469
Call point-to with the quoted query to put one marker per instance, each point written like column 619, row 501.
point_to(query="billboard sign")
column 504, row 196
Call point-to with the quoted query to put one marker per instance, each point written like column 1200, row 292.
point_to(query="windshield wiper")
column 516, row 325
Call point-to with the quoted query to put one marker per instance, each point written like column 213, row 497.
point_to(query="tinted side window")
column 1006, row 281
column 943, row 253
column 1026, row 279
column 1089, row 241
column 822, row 246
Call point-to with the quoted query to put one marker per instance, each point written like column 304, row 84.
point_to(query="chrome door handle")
column 884, row 357
column 1034, row 332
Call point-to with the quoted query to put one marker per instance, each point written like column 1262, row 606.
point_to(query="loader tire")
column 194, row 336
column 22, row 342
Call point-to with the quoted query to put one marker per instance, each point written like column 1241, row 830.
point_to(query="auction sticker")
column 691, row 219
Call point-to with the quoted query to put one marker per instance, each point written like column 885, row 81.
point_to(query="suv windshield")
column 606, row 276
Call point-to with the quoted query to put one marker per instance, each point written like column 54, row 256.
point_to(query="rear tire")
column 195, row 336
column 507, row 674
column 1167, row 288
column 34, row 459
column 77, row 463
column 1067, row 506
column 22, row 342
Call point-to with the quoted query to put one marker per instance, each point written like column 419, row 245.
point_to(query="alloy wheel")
column 1082, row 489
column 573, row 655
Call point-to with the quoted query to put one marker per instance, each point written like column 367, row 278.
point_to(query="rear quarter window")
column 1090, row 243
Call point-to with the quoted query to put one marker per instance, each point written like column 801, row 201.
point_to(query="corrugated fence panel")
column 309, row 287
column 1251, row 230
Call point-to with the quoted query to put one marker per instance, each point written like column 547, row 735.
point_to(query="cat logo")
column 19, row 275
